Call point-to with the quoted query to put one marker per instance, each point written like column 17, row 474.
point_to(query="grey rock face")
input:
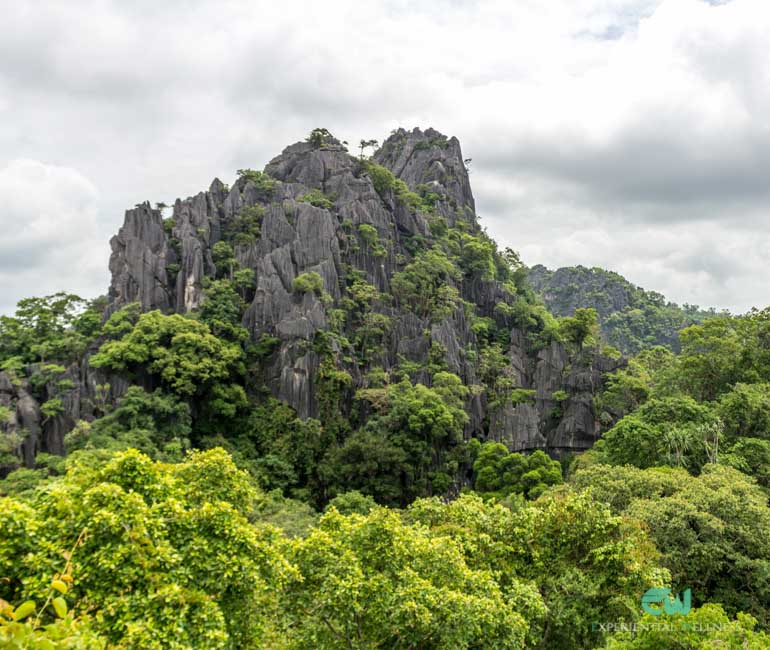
column 430, row 158
column 163, row 265
column 138, row 261
column 90, row 393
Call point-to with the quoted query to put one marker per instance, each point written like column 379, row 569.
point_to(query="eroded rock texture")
column 163, row 264
column 164, row 267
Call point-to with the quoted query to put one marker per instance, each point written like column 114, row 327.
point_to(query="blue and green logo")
column 658, row 600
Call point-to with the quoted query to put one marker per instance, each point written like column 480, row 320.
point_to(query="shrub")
column 309, row 282
column 318, row 199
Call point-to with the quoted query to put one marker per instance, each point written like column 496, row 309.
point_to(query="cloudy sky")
column 628, row 134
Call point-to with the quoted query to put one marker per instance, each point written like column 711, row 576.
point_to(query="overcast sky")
column 628, row 134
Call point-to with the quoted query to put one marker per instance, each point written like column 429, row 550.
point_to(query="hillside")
column 632, row 319
column 319, row 409
column 338, row 287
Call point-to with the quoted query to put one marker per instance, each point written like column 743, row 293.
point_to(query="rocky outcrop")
column 561, row 416
column 307, row 213
column 84, row 393
column 138, row 261
column 429, row 158
column 298, row 237
column 632, row 319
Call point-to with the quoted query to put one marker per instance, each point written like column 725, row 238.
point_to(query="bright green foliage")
column 386, row 184
column 372, row 239
column 522, row 395
column 712, row 530
column 589, row 564
column 352, row 502
column 223, row 307
column 370, row 327
column 20, row 630
column 720, row 353
column 430, row 413
column 51, row 408
column 502, row 473
column 261, row 181
column 318, row 199
column 395, row 455
column 745, row 410
column 424, row 285
column 618, row 486
column 751, row 456
column 668, row 431
column 704, row 628
column 56, row 327
column 181, row 352
column 374, row 582
column 167, row 557
column 319, row 137
column 580, row 329
column 710, row 359
column 309, row 282
column 224, row 258
column 586, row 563
column 477, row 257
column 630, row 387
column 708, row 404
column 244, row 228
column 122, row 321
column 293, row 517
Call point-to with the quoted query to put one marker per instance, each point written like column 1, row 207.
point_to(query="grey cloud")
column 626, row 133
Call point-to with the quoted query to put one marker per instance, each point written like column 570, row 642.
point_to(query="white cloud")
column 48, row 221
column 602, row 131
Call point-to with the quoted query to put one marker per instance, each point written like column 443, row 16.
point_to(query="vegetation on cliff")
column 326, row 411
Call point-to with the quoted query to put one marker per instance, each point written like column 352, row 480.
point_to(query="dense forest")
column 632, row 318
column 321, row 409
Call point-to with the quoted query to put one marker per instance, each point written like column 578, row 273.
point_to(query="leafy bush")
column 168, row 557
column 180, row 352
column 308, row 282
column 318, row 199
column 385, row 182
column 260, row 180
column 498, row 471
column 319, row 137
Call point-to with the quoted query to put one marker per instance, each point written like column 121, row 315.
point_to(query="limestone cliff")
column 297, row 237
column 318, row 209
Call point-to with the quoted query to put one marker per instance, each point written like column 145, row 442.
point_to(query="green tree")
column 167, row 557
column 319, row 137
column 309, row 282
column 502, row 473
column 580, row 329
column 586, row 563
column 745, row 410
column 158, row 424
column 374, row 582
column 58, row 327
column 712, row 529
column 183, row 357
column 424, row 286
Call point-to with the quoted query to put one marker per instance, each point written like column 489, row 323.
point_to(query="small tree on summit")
column 365, row 144
column 319, row 137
